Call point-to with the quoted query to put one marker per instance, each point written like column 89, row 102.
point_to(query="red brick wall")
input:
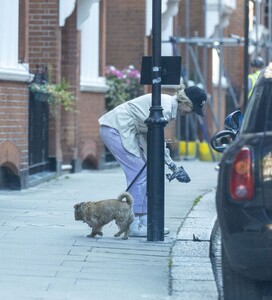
column 70, row 71
column 14, row 110
column 14, row 118
column 197, row 17
column 196, row 27
column 91, row 107
column 125, row 33
column 59, row 49
column 23, row 30
column 80, row 130
column 44, row 36
column 45, row 51
column 234, row 56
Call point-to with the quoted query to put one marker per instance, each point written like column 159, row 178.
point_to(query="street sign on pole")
column 170, row 70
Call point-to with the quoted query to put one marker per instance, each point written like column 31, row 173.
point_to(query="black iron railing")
column 38, row 129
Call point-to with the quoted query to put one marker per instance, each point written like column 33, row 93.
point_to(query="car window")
column 258, row 115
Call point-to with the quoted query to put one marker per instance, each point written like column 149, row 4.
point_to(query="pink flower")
column 134, row 74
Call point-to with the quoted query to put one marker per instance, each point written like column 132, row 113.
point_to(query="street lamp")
column 155, row 138
column 157, row 70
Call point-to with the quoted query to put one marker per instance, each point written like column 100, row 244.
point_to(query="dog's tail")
column 128, row 196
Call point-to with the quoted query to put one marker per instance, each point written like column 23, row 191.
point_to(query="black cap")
column 198, row 98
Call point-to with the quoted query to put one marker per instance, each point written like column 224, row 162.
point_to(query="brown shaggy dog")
column 99, row 213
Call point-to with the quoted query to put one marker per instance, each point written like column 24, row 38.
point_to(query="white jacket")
column 129, row 119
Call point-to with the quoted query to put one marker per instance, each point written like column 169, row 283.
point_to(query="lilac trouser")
column 131, row 166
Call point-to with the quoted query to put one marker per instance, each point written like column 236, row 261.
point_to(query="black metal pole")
column 155, row 138
column 246, row 55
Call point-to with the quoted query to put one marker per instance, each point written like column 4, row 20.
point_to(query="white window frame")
column 90, row 81
column 213, row 19
column 148, row 15
column 169, row 9
column 66, row 8
column 10, row 68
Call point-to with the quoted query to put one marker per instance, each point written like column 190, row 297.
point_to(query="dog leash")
column 136, row 177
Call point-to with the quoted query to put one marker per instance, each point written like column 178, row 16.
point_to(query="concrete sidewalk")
column 45, row 254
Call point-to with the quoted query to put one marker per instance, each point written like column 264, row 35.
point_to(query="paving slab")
column 45, row 254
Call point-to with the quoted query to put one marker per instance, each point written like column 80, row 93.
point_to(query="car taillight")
column 241, row 180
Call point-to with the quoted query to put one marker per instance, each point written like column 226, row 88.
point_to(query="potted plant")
column 55, row 94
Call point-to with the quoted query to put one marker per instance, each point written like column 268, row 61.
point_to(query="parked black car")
column 244, row 196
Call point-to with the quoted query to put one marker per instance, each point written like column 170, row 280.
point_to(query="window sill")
column 95, row 86
column 20, row 74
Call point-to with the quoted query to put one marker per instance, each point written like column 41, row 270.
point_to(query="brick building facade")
column 75, row 40
column 50, row 41
column 125, row 33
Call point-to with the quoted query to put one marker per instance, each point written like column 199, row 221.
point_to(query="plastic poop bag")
column 179, row 174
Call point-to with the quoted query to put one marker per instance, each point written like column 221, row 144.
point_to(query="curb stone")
column 192, row 274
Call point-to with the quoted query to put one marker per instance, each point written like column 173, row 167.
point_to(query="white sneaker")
column 137, row 230
column 139, row 227
column 143, row 220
